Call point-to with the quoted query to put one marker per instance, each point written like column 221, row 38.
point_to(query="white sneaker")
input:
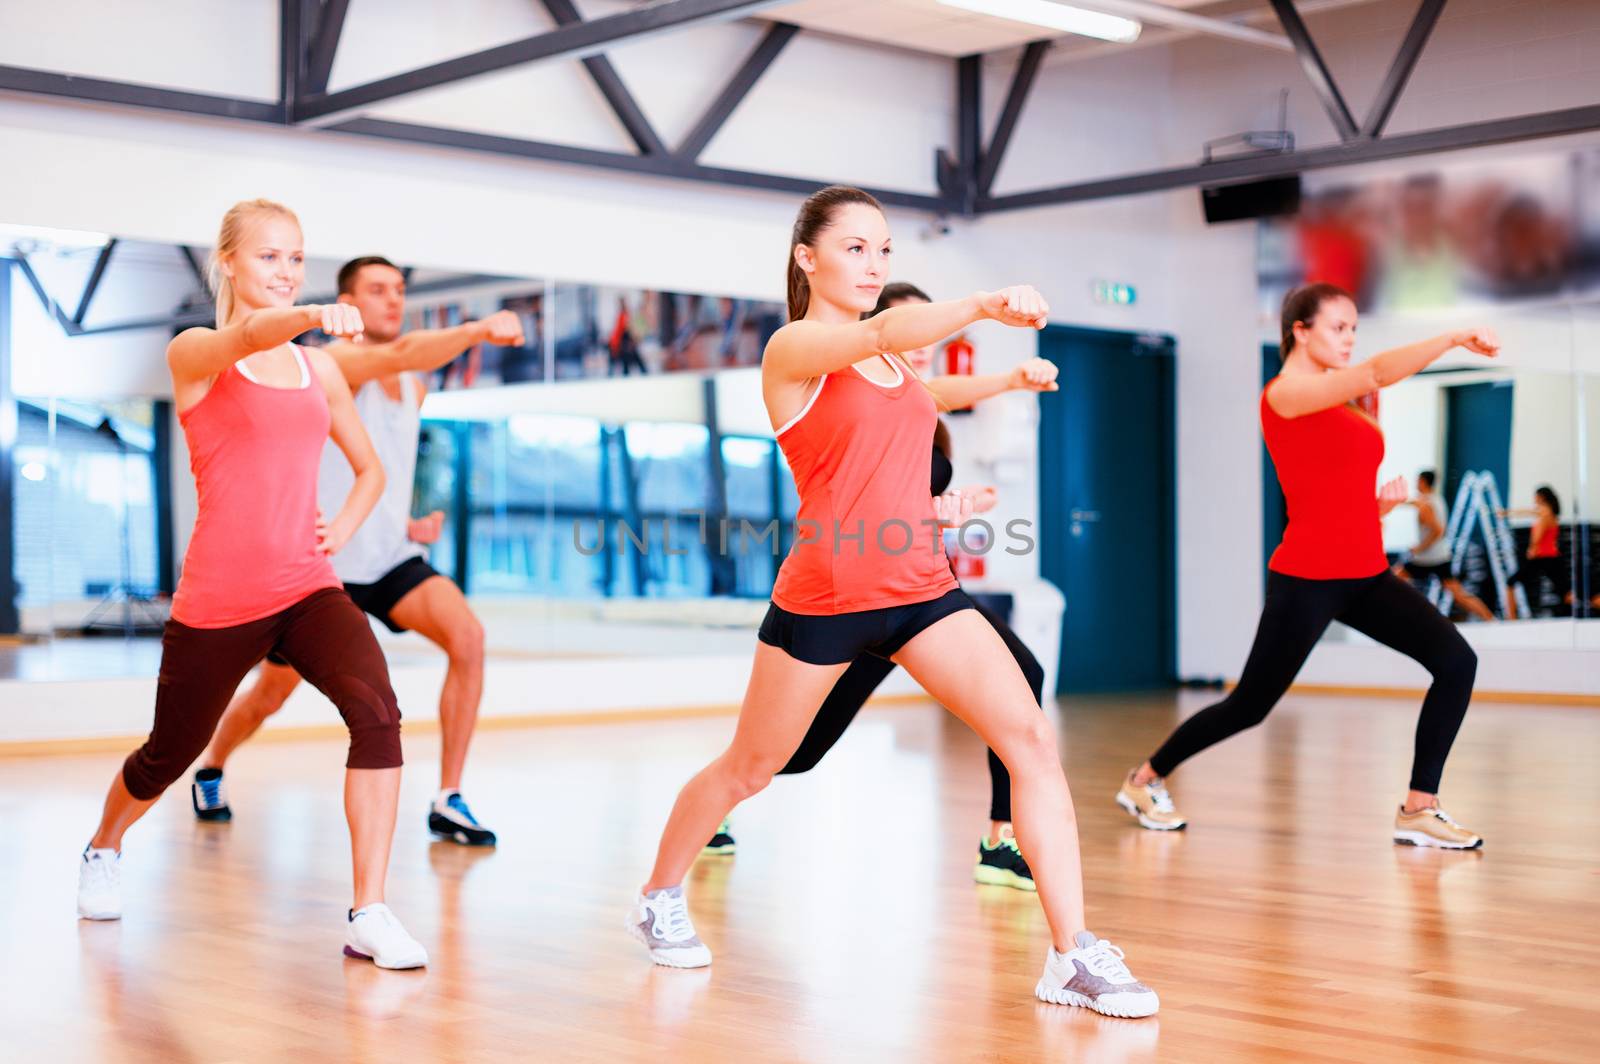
column 661, row 921
column 374, row 934
column 1094, row 976
column 100, row 885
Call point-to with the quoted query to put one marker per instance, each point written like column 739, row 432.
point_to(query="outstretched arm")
column 957, row 391
column 802, row 350
column 1297, row 395
column 423, row 349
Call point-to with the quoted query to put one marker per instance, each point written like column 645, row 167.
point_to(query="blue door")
column 1274, row 507
column 1106, row 506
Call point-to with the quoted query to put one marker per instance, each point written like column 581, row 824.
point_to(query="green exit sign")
column 1109, row 292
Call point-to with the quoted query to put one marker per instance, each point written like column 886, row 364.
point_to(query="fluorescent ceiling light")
column 60, row 239
column 1055, row 16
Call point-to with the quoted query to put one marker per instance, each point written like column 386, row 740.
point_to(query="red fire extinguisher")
column 958, row 359
column 968, row 566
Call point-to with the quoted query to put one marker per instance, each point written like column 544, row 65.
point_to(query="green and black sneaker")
column 721, row 844
column 1003, row 865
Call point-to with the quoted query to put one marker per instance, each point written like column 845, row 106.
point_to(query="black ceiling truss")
column 196, row 266
column 606, row 79
column 738, row 87
column 1021, row 85
column 572, row 42
column 202, row 313
column 323, row 46
column 95, row 276
column 311, row 29
column 1394, row 82
column 1317, row 72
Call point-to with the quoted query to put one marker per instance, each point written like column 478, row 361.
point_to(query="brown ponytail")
column 816, row 214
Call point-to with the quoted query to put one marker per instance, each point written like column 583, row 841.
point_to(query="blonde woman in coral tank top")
column 256, row 410
column 868, row 574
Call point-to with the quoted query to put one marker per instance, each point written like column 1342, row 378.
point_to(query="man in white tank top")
column 1430, row 558
column 384, row 565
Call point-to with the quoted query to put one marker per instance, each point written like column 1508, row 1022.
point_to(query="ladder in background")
column 1478, row 506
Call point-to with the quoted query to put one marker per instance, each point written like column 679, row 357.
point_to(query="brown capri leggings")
column 324, row 636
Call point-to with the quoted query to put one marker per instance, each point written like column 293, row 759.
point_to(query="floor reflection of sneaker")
column 1433, row 827
column 1002, row 865
column 721, row 844
column 209, row 798
column 1150, row 805
column 450, row 818
column 1094, row 976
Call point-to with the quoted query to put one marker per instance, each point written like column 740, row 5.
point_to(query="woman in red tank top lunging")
column 867, row 574
column 1543, row 558
column 256, row 410
column 1330, row 565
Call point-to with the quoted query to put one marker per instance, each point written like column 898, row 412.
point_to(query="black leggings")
column 1557, row 570
column 865, row 673
column 1297, row 612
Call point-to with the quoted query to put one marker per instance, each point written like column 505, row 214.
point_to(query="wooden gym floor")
column 1283, row 925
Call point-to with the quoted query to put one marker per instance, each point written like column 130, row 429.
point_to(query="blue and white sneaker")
column 210, row 800
column 449, row 818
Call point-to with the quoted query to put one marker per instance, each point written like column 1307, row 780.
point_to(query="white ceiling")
column 929, row 26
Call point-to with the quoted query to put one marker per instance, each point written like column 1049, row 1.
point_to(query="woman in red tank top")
column 1543, row 559
column 256, row 411
column 867, row 574
column 1331, row 566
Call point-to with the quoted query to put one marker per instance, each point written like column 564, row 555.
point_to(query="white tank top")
column 380, row 543
column 1439, row 552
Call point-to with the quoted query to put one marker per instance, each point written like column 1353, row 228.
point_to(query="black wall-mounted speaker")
column 1252, row 199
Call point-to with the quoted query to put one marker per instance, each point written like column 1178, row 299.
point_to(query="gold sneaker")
column 1432, row 827
column 1150, row 805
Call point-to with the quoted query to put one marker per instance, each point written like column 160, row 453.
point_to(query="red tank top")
column 1327, row 463
column 255, row 451
column 1546, row 545
column 863, row 534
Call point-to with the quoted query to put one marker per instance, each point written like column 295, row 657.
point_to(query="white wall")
column 1153, row 106
column 45, row 362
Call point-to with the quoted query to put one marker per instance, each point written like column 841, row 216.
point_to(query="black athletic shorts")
column 842, row 637
column 380, row 597
column 1420, row 571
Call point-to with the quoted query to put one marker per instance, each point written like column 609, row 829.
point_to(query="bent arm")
column 351, row 438
column 198, row 353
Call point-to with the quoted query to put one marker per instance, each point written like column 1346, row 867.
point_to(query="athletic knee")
column 746, row 777
column 373, row 717
column 262, row 702
column 1030, row 745
column 1459, row 664
column 152, row 768
column 1243, row 711
column 464, row 643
